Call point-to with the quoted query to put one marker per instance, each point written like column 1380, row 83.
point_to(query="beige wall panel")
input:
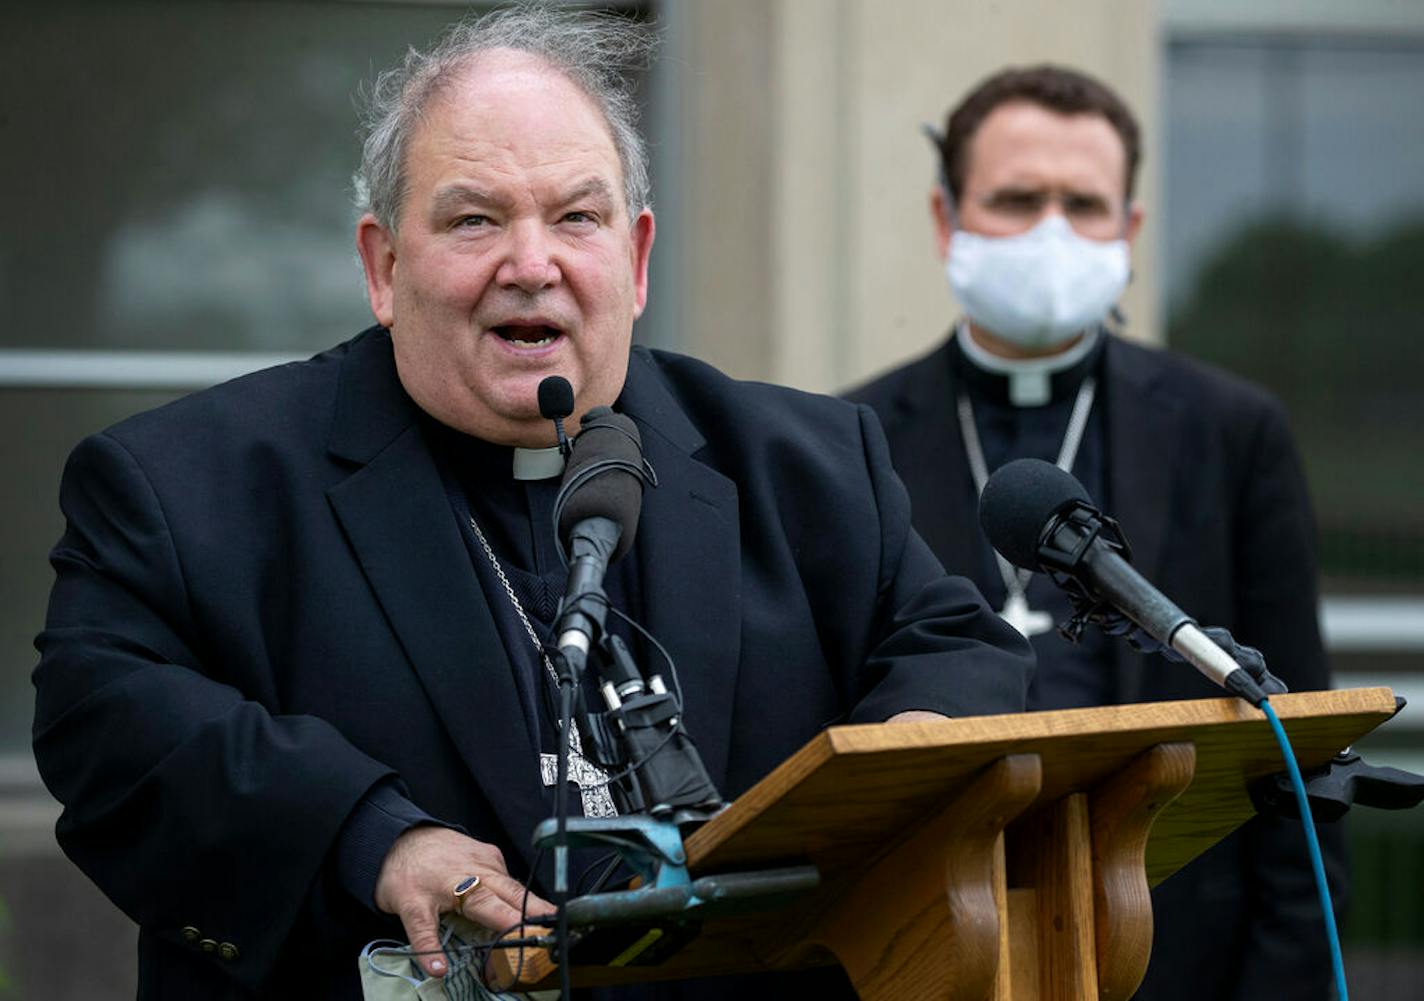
column 728, row 149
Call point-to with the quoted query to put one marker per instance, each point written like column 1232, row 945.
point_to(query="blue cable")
column 1317, row 863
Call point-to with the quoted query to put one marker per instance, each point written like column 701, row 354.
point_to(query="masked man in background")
column 1034, row 218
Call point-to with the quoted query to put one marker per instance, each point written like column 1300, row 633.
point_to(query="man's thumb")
column 422, row 930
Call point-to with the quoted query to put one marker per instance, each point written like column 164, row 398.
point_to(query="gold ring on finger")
column 463, row 889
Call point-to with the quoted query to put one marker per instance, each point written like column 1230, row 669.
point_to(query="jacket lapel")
column 930, row 459
column 398, row 521
column 1144, row 426
column 689, row 560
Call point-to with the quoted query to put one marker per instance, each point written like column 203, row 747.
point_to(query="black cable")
column 662, row 650
column 667, row 657
column 524, row 909
column 561, row 838
column 610, row 861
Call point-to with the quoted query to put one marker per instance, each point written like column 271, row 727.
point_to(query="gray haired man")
column 292, row 692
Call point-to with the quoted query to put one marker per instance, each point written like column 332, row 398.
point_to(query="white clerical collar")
column 538, row 463
column 1030, row 379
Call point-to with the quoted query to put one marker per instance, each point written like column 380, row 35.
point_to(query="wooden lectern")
column 994, row 857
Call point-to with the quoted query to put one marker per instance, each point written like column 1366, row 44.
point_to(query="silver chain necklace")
column 1016, row 611
column 592, row 780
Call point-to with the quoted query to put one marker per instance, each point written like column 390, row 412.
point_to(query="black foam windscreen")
column 604, row 477
column 556, row 397
column 1019, row 501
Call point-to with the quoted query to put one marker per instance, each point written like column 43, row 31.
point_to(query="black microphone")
column 596, row 512
column 556, row 401
column 1041, row 518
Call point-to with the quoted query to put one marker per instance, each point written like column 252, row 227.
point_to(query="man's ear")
column 378, row 259
column 1135, row 215
column 642, row 240
column 939, row 210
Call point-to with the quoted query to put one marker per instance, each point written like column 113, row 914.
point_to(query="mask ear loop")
column 936, row 139
column 1117, row 317
column 383, row 947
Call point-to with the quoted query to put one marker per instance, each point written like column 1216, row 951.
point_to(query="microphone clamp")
column 1065, row 541
column 1067, row 536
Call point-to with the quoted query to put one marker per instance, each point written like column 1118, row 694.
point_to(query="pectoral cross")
column 591, row 780
column 1026, row 620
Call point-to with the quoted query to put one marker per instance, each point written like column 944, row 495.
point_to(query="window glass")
column 184, row 171
column 1294, row 243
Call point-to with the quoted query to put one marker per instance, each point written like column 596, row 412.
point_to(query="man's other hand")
column 917, row 716
column 417, row 884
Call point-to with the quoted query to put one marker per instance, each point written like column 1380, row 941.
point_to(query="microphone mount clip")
column 1061, row 548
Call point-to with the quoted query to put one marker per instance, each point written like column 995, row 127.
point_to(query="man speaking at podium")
column 290, row 684
column 1034, row 215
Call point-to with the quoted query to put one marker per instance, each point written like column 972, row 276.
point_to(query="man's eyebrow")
column 595, row 187
column 458, row 195
column 1017, row 190
column 1021, row 190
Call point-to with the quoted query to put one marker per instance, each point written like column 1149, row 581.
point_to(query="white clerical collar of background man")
column 538, row 463
column 1030, row 379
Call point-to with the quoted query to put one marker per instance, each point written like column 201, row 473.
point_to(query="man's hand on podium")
column 916, row 716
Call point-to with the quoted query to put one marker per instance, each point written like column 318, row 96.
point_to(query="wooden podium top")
column 852, row 792
column 852, row 788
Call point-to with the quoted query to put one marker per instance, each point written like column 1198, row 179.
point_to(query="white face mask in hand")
column 1036, row 289
column 389, row 971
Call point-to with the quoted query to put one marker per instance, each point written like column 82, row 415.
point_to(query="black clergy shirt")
column 1069, row 675
column 516, row 518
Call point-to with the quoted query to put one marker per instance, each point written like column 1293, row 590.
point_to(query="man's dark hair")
column 1065, row 91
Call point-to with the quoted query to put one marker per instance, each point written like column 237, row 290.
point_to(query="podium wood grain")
column 937, row 932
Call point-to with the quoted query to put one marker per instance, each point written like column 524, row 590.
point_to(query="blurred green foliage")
column 1333, row 325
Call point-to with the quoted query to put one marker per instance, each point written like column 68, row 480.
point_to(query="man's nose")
column 1053, row 207
column 529, row 261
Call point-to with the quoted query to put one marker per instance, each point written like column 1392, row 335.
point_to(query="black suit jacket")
column 264, row 608
column 1205, row 480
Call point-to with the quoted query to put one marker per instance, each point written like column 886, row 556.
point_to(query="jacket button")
column 191, row 934
column 208, row 945
column 228, row 951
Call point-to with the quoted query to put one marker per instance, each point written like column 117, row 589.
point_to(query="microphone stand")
column 579, row 626
column 567, row 685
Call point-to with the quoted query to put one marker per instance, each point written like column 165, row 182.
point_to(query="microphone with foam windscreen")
column 1041, row 518
column 596, row 514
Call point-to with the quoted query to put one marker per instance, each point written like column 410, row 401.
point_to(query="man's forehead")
column 503, row 88
column 515, row 108
column 1021, row 142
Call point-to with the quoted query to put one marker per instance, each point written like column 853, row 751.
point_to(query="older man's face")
column 514, row 258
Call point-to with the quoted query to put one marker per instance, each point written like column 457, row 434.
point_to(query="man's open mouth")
column 528, row 335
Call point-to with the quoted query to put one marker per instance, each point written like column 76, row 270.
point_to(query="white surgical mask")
column 389, row 971
column 1040, row 288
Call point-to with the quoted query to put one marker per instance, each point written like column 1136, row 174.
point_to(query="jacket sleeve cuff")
column 381, row 816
